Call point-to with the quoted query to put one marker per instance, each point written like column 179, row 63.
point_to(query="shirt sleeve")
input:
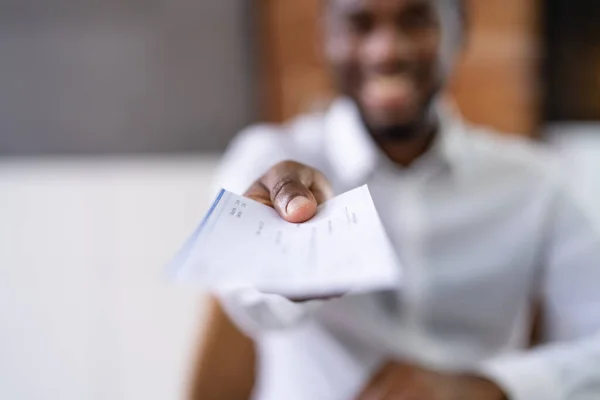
column 249, row 156
column 568, row 365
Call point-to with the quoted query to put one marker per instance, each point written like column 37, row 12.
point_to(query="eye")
column 361, row 23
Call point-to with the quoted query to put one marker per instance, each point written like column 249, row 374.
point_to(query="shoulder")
column 516, row 155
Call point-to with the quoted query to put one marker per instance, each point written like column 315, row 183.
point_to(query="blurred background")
column 113, row 114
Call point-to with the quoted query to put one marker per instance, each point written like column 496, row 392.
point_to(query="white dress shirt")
column 483, row 226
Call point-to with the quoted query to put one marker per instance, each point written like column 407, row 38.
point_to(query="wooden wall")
column 293, row 73
column 495, row 84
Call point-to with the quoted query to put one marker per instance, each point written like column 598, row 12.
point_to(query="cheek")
column 430, row 56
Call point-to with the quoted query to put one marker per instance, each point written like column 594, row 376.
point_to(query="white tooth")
column 390, row 81
column 389, row 78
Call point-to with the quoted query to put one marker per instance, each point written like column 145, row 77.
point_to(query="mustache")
column 395, row 68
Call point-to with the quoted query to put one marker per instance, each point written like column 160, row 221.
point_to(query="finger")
column 258, row 192
column 320, row 187
column 288, row 185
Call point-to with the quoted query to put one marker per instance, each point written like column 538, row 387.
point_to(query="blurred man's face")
column 388, row 56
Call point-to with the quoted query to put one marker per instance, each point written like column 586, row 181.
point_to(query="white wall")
column 84, row 308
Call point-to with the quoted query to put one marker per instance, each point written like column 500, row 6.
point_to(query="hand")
column 398, row 381
column 294, row 190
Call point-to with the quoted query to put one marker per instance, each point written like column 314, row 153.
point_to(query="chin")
column 383, row 121
column 397, row 133
column 397, row 123
column 387, row 118
column 402, row 125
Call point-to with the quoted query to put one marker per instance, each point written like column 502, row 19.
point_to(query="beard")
column 396, row 133
column 347, row 79
column 422, row 124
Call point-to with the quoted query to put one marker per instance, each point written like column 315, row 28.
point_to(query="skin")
column 403, row 381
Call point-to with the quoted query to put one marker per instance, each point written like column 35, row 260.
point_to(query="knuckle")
column 281, row 185
column 283, row 168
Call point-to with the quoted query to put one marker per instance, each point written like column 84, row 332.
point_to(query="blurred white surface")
column 86, row 311
column 579, row 146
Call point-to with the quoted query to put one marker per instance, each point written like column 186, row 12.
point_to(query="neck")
column 405, row 151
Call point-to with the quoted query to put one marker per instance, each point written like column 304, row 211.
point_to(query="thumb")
column 293, row 201
column 288, row 185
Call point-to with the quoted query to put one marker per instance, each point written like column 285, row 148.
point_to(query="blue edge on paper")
column 183, row 254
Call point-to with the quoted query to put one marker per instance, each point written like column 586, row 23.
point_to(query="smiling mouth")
column 388, row 92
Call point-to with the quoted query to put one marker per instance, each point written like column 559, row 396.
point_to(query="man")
column 482, row 224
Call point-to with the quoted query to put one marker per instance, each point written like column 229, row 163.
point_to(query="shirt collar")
column 354, row 155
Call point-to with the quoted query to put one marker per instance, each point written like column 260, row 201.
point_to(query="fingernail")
column 296, row 203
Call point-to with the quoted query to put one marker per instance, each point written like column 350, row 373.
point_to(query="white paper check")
column 242, row 243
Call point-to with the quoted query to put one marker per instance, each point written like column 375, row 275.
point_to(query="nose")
column 386, row 50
